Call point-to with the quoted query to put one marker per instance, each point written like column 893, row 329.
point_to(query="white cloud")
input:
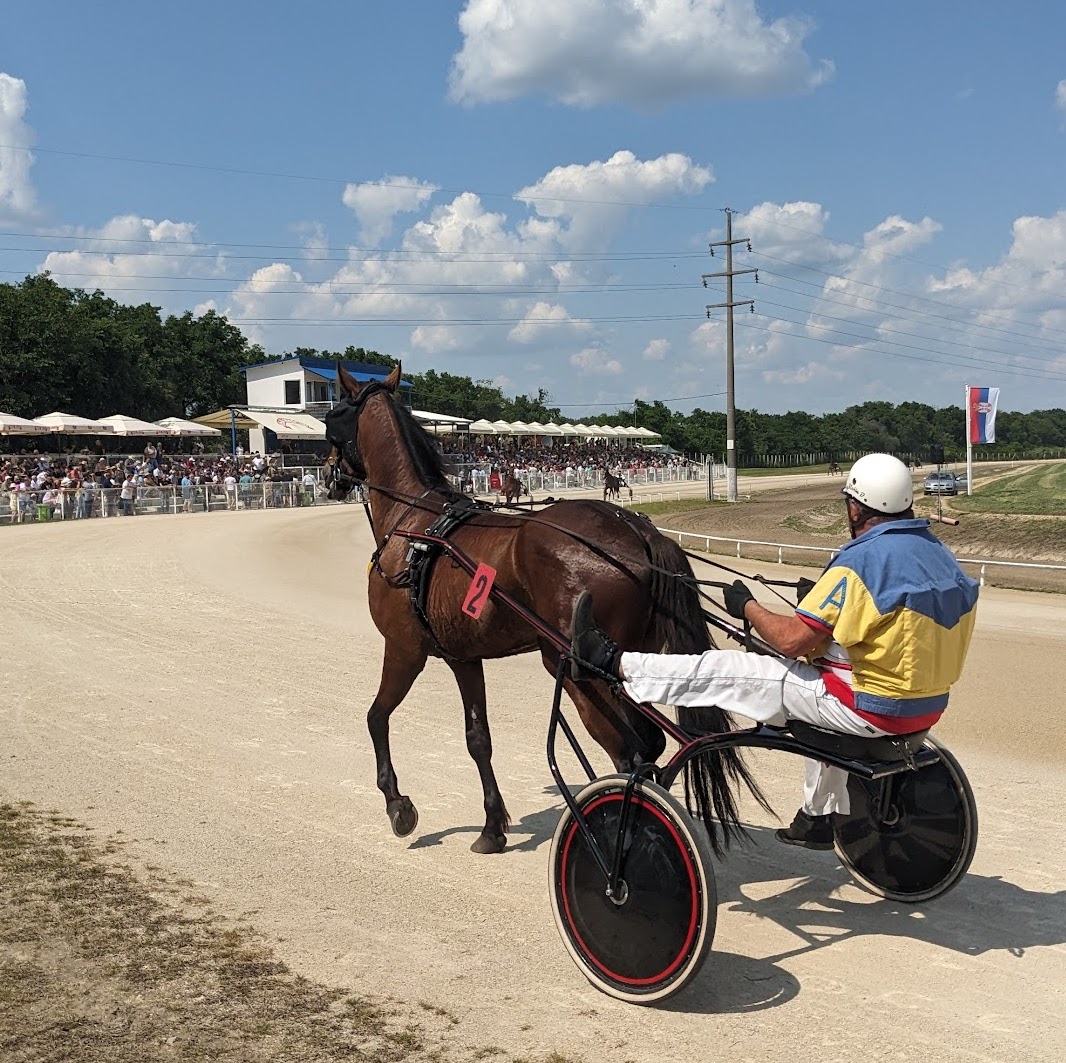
column 544, row 318
column 594, row 361
column 18, row 201
column 131, row 254
column 1060, row 96
column 590, row 203
column 656, row 350
column 376, row 204
column 646, row 53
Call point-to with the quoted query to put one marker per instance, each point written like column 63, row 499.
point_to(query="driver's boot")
column 810, row 832
column 595, row 655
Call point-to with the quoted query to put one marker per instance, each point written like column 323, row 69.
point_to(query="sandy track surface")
column 200, row 685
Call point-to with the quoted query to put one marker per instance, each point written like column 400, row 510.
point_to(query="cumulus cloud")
column 589, row 203
column 125, row 253
column 595, row 361
column 18, row 201
column 646, row 53
column 541, row 318
column 1060, row 96
column 464, row 263
column 656, row 350
column 376, row 204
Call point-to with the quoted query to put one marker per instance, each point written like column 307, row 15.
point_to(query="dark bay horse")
column 544, row 560
column 612, row 485
column 513, row 488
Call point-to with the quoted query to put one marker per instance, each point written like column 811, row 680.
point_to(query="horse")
column 612, row 485
column 641, row 582
column 834, row 469
column 513, row 488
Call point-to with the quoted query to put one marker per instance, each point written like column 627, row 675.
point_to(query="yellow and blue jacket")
column 897, row 601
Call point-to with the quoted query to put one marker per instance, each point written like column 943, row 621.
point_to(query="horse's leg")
column 470, row 675
column 398, row 673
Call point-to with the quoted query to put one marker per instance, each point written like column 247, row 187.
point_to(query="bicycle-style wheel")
column 919, row 843
column 650, row 941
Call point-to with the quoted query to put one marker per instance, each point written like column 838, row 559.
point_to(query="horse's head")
column 346, row 468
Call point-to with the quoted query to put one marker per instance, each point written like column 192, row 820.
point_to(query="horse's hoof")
column 403, row 816
column 489, row 843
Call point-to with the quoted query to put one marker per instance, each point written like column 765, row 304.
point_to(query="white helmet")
column 881, row 482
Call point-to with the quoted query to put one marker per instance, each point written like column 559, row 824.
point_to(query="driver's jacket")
column 897, row 602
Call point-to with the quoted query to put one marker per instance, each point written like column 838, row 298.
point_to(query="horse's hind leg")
column 470, row 675
column 398, row 674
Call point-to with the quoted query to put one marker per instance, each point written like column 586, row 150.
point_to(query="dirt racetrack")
column 200, row 685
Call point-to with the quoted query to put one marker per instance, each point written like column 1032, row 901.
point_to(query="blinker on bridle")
column 347, row 451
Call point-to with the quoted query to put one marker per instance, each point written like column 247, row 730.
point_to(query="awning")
column 289, row 425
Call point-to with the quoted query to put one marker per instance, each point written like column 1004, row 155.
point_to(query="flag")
column 981, row 414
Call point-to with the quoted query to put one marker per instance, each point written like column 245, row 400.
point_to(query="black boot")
column 811, row 832
column 594, row 653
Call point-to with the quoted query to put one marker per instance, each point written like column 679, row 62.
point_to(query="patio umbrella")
column 10, row 425
column 69, row 425
column 177, row 426
column 482, row 427
column 520, row 428
column 502, row 428
column 124, row 425
column 551, row 429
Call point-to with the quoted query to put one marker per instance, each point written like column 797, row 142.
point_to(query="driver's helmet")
column 881, row 482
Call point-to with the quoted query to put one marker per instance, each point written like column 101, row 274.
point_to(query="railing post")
column 983, row 567
column 780, row 553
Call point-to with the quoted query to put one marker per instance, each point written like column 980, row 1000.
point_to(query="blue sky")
column 523, row 190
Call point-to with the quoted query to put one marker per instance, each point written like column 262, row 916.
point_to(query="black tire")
column 649, row 946
column 925, row 846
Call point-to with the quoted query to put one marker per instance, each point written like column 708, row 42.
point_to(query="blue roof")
column 327, row 368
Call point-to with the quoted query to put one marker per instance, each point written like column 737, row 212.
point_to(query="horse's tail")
column 711, row 779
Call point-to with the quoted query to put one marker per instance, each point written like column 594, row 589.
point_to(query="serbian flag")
column 981, row 414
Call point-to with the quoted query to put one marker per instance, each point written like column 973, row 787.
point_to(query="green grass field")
column 1039, row 490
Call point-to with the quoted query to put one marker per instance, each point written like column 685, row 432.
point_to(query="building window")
column 292, row 392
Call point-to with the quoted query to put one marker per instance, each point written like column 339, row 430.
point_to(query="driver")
column 884, row 631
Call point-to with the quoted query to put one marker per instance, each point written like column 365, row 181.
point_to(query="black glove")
column 736, row 598
column 804, row 587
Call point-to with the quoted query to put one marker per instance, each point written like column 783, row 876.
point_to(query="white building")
column 298, row 384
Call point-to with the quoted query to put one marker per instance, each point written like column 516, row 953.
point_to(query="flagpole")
column 969, row 444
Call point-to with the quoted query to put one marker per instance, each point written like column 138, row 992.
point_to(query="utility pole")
column 730, row 401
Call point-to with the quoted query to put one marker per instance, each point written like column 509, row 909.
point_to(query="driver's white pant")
column 765, row 689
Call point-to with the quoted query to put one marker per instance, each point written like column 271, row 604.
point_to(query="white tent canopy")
column 176, row 426
column 550, row 429
column 289, row 425
column 502, row 428
column 123, row 425
column 10, row 425
column 70, row 425
column 482, row 427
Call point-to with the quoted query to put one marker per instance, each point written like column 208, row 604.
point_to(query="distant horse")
column 513, row 488
column 612, row 485
column 834, row 469
column 544, row 560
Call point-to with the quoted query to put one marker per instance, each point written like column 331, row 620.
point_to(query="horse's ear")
column 349, row 385
column 392, row 381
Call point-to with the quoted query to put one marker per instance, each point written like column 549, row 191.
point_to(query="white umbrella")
column 482, row 427
column 10, row 425
column 502, row 428
column 605, row 431
column 535, row 428
column 124, row 425
column 582, row 430
column 70, row 425
column 629, row 432
column 647, row 433
column 520, row 428
column 177, row 426
column 551, row 429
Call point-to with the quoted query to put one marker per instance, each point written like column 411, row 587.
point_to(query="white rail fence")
column 828, row 553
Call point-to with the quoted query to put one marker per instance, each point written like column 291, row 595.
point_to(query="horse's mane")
column 427, row 458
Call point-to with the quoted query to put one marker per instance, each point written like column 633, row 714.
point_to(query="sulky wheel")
column 647, row 946
column 914, row 841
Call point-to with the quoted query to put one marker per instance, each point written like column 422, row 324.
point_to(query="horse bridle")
column 347, row 450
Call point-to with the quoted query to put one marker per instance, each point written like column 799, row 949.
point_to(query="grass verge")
column 1034, row 491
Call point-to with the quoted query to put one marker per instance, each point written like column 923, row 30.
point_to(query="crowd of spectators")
column 42, row 487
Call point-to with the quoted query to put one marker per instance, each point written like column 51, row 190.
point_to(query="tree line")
column 83, row 352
